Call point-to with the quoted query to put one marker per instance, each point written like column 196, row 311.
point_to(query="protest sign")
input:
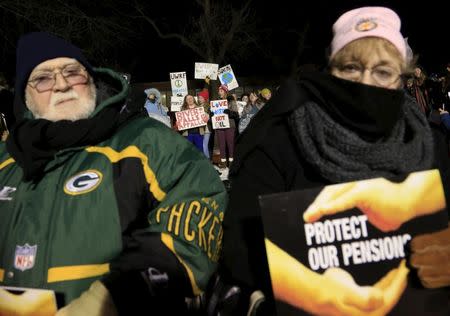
column 241, row 105
column 190, row 118
column 179, row 83
column 218, row 106
column 346, row 246
column 227, row 77
column 220, row 121
column 176, row 103
column 206, row 69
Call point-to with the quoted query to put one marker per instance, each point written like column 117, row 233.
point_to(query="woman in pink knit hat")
column 226, row 136
column 352, row 123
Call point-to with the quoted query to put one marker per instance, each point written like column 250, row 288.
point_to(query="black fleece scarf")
column 34, row 142
column 370, row 111
column 345, row 143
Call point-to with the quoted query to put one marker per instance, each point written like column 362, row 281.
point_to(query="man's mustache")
column 61, row 97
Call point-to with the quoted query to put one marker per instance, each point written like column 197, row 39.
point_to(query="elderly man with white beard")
column 112, row 210
column 74, row 94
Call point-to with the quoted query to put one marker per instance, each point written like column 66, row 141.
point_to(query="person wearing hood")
column 99, row 205
column 154, row 107
column 352, row 123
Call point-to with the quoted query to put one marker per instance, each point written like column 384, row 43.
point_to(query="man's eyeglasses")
column 72, row 74
column 383, row 75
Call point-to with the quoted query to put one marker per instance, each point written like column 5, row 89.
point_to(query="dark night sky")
column 426, row 26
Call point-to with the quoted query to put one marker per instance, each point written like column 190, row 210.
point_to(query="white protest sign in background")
column 179, row 83
column 190, row 118
column 218, row 106
column 227, row 77
column 176, row 103
column 206, row 69
column 241, row 105
column 220, row 121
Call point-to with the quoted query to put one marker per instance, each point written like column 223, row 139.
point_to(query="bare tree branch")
column 185, row 41
column 212, row 33
column 70, row 21
column 237, row 19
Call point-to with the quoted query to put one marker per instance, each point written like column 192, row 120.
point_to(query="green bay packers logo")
column 83, row 182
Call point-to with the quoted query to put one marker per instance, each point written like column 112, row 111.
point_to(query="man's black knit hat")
column 37, row 47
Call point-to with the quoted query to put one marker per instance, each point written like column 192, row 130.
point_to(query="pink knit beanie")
column 365, row 22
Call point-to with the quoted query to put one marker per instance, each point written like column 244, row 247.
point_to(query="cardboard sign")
column 227, row 77
column 176, row 103
column 190, row 118
column 206, row 69
column 218, row 106
column 241, row 105
column 345, row 242
column 220, row 121
column 179, row 83
column 27, row 301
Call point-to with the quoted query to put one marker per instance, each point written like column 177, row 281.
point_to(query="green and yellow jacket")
column 139, row 201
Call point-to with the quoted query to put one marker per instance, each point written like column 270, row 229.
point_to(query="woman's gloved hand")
column 96, row 301
column 431, row 256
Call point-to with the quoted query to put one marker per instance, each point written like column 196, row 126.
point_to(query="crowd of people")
column 122, row 211
column 432, row 93
column 207, row 139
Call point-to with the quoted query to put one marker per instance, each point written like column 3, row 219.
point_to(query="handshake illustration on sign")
column 27, row 302
column 387, row 206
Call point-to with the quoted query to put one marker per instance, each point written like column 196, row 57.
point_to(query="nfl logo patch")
column 25, row 257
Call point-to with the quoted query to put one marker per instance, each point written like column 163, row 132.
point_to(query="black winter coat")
column 267, row 160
